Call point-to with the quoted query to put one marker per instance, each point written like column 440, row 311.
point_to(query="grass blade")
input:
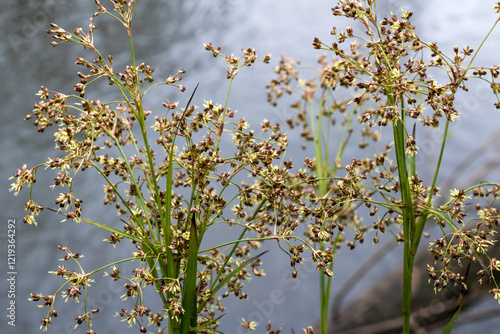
column 188, row 293
column 453, row 320
column 111, row 229
column 189, row 289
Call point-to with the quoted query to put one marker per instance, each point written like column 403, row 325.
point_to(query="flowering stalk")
column 166, row 229
column 399, row 93
column 168, row 201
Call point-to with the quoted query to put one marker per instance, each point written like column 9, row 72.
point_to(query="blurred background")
column 169, row 35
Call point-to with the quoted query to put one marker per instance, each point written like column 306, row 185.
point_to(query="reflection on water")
column 169, row 35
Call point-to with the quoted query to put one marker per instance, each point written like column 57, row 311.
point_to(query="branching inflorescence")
column 387, row 73
column 167, row 201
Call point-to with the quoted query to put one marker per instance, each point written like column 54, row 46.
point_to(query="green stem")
column 219, row 134
column 408, row 214
column 423, row 219
column 171, row 271
column 322, row 190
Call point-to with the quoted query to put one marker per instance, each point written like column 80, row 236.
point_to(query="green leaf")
column 189, row 289
column 412, row 158
column 453, row 320
column 205, row 326
column 444, row 217
column 111, row 229
column 394, row 207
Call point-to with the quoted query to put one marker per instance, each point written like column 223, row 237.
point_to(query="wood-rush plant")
column 388, row 70
column 167, row 201
column 173, row 187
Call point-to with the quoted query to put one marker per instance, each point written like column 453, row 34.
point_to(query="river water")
column 170, row 35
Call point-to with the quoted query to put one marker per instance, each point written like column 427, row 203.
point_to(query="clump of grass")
column 387, row 68
column 175, row 185
column 167, row 201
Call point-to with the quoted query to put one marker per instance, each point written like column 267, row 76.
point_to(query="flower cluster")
column 169, row 179
column 385, row 69
column 166, row 201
